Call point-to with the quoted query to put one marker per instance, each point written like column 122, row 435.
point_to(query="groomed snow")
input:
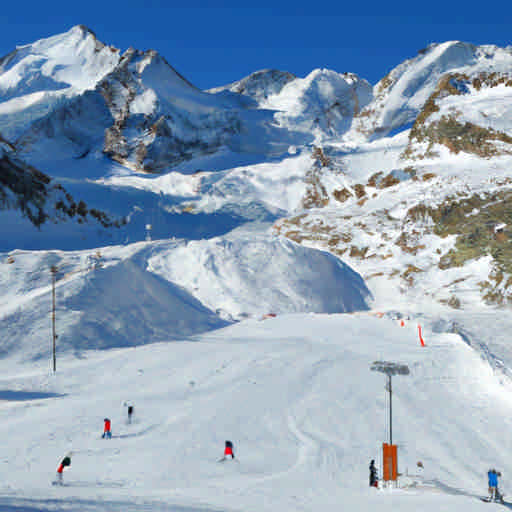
column 296, row 396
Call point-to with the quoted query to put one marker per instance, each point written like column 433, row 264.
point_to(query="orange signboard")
column 389, row 461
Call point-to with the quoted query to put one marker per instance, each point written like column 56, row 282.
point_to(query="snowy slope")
column 153, row 291
column 265, row 276
column 295, row 395
column 37, row 211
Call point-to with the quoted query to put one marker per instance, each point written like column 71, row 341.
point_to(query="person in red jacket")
column 228, row 450
column 107, row 433
column 66, row 462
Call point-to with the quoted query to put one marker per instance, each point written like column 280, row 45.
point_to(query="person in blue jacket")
column 493, row 475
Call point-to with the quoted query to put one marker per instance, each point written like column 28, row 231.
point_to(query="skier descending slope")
column 107, row 433
column 228, row 451
column 66, row 462
column 494, row 494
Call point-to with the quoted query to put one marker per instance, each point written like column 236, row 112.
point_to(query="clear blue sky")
column 213, row 46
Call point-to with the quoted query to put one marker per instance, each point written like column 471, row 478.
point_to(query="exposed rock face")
column 399, row 97
column 444, row 119
column 24, row 188
column 159, row 118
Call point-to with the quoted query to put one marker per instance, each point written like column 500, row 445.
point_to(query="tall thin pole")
column 390, row 411
column 54, row 335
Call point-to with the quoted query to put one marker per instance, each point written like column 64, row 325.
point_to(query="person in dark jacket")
column 130, row 412
column 66, row 462
column 374, row 479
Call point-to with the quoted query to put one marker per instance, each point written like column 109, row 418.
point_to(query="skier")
column 228, row 451
column 374, row 479
column 130, row 412
column 107, row 433
column 66, row 461
column 494, row 494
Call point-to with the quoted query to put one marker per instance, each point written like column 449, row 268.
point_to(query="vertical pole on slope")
column 390, row 410
column 54, row 335
column 422, row 341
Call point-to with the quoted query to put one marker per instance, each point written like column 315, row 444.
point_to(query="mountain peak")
column 259, row 85
column 84, row 29
column 35, row 77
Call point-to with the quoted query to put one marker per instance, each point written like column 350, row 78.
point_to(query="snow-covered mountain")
column 35, row 78
column 323, row 103
column 400, row 96
column 284, row 233
column 383, row 178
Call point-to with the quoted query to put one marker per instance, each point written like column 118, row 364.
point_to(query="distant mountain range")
column 407, row 181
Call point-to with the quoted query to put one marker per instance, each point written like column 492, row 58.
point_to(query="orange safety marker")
column 422, row 341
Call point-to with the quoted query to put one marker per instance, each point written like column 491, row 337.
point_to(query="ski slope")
column 296, row 396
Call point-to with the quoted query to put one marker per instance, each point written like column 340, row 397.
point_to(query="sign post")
column 389, row 451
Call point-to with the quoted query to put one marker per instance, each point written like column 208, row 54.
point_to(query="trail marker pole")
column 53, row 270
column 422, row 341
